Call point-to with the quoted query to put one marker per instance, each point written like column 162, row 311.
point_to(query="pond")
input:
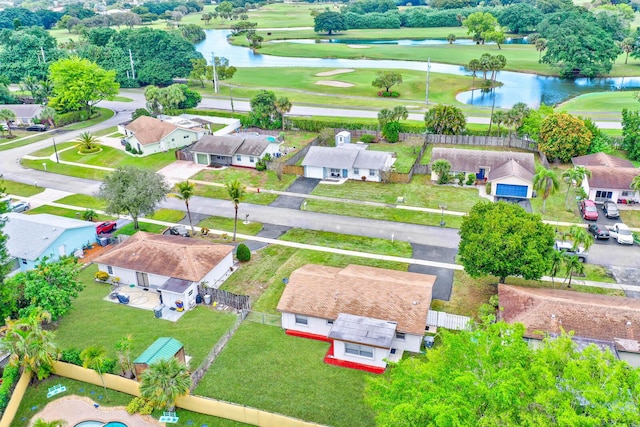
column 531, row 89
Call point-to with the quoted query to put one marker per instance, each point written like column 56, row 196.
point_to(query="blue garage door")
column 508, row 190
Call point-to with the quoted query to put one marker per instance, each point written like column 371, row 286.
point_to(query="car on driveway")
column 20, row 207
column 589, row 210
column 106, row 227
column 610, row 209
column 622, row 234
column 567, row 248
column 37, row 128
column 179, row 230
column 599, row 231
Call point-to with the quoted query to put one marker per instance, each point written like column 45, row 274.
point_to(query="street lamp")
column 442, row 208
column 55, row 148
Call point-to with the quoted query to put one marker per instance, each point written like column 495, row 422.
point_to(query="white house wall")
column 219, row 271
column 379, row 354
column 512, row 180
column 314, row 172
column 188, row 297
column 128, row 277
column 245, row 160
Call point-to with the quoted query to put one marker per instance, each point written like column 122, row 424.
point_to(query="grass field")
column 68, row 213
column 83, row 200
column 112, row 158
column 226, row 224
column 8, row 144
column 19, row 189
column 287, row 376
column 93, row 321
column 143, row 226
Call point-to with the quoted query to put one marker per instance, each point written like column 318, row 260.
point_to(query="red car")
column 589, row 210
column 106, row 227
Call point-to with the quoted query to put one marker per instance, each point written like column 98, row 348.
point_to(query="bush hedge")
column 10, row 377
column 243, row 253
column 71, row 117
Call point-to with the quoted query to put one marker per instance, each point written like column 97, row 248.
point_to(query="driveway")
column 301, row 185
column 444, row 281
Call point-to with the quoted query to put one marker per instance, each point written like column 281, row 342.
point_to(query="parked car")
column 106, row 227
column 567, row 248
column 610, row 209
column 37, row 128
column 20, row 207
column 599, row 231
column 589, row 210
column 179, row 230
column 622, row 234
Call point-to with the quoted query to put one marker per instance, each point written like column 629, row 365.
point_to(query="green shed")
column 162, row 349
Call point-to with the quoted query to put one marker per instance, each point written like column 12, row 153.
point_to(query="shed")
column 162, row 349
column 343, row 137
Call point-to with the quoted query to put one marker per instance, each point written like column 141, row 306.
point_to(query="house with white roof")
column 33, row 237
column 368, row 315
column 347, row 161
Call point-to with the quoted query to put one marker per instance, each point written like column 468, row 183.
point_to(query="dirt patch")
column 334, row 72
column 334, row 83
column 358, row 46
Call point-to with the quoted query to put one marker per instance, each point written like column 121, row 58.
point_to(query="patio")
column 145, row 299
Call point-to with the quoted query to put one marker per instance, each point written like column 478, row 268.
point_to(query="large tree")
column 386, row 80
column 520, row 18
column 445, row 120
column 79, row 84
column 22, row 52
column 478, row 23
column 263, row 109
column 631, row 133
column 490, row 376
column 329, row 22
column 133, row 191
column 577, row 46
column 563, row 136
column 163, row 382
column 502, row 239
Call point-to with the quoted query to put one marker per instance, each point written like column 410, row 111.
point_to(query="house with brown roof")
column 608, row 321
column 610, row 179
column 172, row 265
column 243, row 150
column 151, row 135
column 369, row 315
column 510, row 173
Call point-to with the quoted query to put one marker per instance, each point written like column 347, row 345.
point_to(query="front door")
column 142, row 279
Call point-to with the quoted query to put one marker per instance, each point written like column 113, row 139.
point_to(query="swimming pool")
column 100, row 424
column 271, row 139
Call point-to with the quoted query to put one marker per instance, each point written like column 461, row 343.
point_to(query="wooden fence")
column 239, row 302
column 185, row 153
column 486, row 141
column 293, row 170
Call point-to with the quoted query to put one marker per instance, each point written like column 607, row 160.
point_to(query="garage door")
column 509, row 190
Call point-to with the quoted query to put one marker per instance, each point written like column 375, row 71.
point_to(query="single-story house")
column 510, row 173
column 33, row 237
column 609, row 321
column 369, row 315
column 172, row 265
column 151, row 135
column 234, row 150
column 26, row 114
column 347, row 161
column 162, row 349
column 610, row 179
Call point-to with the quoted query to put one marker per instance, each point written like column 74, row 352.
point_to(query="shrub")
column 109, row 366
column 487, row 186
column 71, row 355
column 94, row 149
column 395, row 94
column 71, row 117
column 135, row 405
column 243, row 253
column 461, row 177
column 367, row 138
column 102, row 275
column 89, row 215
column 10, row 377
column 471, row 179
column 127, row 147
column 147, row 409
column 261, row 165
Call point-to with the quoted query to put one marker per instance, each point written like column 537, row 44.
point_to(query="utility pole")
column 133, row 70
column 55, row 148
column 428, row 71
column 231, row 97
column 215, row 73
column 43, row 57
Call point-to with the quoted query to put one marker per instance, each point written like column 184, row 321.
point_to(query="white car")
column 622, row 234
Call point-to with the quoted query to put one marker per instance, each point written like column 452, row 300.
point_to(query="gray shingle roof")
column 463, row 160
column 31, row 235
column 511, row 168
column 371, row 159
column 25, row 110
column 345, row 158
column 223, row 145
column 601, row 159
column 363, row 330
column 254, row 146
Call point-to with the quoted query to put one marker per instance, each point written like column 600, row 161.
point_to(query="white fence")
column 441, row 319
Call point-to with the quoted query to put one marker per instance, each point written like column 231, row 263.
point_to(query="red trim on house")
column 329, row 359
column 308, row 335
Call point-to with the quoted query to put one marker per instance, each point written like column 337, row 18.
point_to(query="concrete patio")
column 146, row 300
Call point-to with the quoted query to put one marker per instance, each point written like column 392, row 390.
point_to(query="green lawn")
column 103, row 114
column 47, row 151
column 83, row 200
column 168, row 215
column 249, row 177
column 122, row 99
column 406, row 153
column 556, row 209
column 602, row 105
column 93, row 321
column 8, row 144
column 349, row 242
column 112, row 158
column 144, row 226
column 226, row 224
column 35, row 400
column 62, row 169
column 68, row 213
column 287, row 375
column 19, row 189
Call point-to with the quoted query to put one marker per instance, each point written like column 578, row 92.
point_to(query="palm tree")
column 124, row 352
column 7, row 116
column 451, row 38
column 93, row 357
column 31, row 347
column 236, row 192
column 627, row 45
column 282, row 106
column 574, row 177
column 556, row 262
column 499, row 117
column 517, row 114
column 42, row 423
column 163, row 382
column 541, row 45
column 545, row 180
column 48, row 115
column 635, row 184
column 485, row 64
column 580, row 237
column 474, row 67
column 87, row 140
column 186, row 190
column 572, row 265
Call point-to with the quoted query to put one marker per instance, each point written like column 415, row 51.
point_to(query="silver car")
column 610, row 209
column 20, row 207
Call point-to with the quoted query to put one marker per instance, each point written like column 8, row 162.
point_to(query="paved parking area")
column 301, row 185
column 444, row 281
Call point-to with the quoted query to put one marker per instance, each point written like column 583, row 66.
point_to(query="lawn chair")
column 56, row 389
column 169, row 418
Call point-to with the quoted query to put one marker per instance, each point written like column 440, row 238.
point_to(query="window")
column 191, row 292
column 186, row 136
column 400, row 336
column 301, row 320
column 372, row 172
column 358, row 350
column 251, row 159
column 109, row 269
column 173, row 139
column 239, row 157
column 628, row 193
column 356, row 171
column 24, row 260
column 329, row 322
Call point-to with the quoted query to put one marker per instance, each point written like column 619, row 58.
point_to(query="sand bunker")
column 334, row 72
column 334, row 83
column 358, row 46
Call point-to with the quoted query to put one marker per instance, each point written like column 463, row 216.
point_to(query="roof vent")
column 553, row 316
column 628, row 322
column 415, row 303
